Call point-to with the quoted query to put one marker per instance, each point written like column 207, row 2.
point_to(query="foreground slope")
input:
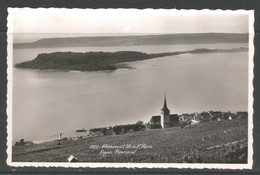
column 210, row 142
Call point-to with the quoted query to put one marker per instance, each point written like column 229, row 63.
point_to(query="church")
column 166, row 119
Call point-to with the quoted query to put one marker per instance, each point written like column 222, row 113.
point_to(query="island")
column 102, row 61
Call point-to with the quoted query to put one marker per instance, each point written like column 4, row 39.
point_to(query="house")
column 216, row 114
column 207, row 116
column 165, row 120
column 196, row 119
column 72, row 159
column 183, row 118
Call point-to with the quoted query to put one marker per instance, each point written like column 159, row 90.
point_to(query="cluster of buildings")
column 167, row 120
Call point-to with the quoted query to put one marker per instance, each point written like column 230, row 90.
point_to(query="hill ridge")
column 136, row 40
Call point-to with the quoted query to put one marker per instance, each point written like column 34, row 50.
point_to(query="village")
column 165, row 120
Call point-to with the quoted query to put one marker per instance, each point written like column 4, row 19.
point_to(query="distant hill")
column 167, row 39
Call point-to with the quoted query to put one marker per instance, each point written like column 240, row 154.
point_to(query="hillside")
column 101, row 61
column 167, row 39
column 211, row 142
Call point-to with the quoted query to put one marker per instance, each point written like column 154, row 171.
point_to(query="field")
column 210, row 142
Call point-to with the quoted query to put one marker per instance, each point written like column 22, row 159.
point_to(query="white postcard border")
column 134, row 165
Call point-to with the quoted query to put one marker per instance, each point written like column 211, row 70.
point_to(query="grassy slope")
column 168, row 145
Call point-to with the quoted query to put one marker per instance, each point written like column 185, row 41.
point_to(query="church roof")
column 156, row 118
column 174, row 117
column 165, row 108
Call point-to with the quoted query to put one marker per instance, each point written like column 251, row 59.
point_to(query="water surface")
column 46, row 102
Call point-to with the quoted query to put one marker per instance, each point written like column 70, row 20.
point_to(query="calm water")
column 48, row 102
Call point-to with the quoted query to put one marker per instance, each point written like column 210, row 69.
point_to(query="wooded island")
column 100, row 61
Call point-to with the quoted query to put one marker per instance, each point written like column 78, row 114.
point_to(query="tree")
column 139, row 123
column 148, row 125
column 22, row 141
column 16, row 144
column 117, row 129
column 103, row 131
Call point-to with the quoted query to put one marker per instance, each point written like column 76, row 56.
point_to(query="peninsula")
column 102, row 61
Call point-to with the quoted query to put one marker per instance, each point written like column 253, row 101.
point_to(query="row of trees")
column 187, row 120
column 120, row 129
column 22, row 143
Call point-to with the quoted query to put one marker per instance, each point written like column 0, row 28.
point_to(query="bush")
column 121, row 129
column 237, row 154
column 193, row 157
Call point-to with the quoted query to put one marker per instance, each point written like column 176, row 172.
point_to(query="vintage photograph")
column 130, row 88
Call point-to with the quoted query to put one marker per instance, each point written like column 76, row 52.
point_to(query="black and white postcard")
column 150, row 88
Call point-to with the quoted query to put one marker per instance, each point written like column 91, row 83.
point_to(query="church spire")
column 165, row 102
column 165, row 108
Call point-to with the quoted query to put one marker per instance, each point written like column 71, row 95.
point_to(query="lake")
column 47, row 102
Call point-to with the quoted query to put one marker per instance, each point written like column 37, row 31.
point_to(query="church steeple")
column 165, row 108
column 165, row 114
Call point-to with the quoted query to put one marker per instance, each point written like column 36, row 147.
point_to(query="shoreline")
column 89, row 133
